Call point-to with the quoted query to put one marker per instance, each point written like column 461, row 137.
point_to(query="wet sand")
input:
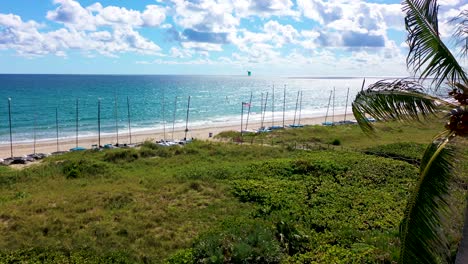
column 49, row 146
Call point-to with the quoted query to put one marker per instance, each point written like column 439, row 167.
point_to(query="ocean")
column 156, row 101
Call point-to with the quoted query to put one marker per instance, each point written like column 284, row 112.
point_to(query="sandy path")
column 50, row 146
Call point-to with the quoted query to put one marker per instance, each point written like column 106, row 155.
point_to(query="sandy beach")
column 49, row 146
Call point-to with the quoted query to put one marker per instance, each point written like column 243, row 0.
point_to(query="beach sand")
column 202, row 133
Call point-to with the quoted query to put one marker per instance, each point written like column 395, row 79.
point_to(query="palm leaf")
column 428, row 54
column 421, row 238
column 401, row 100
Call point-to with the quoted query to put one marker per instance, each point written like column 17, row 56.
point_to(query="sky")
column 213, row 37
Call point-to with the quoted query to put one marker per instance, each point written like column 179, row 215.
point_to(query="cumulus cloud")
column 253, row 31
column 264, row 8
column 72, row 14
column 205, row 15
column 106, row 30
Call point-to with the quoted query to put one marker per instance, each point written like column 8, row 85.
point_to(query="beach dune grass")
column 181, row 204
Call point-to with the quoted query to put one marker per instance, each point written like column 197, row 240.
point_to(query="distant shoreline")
column 202, row 133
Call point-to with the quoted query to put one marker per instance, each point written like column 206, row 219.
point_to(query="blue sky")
column 267, row 37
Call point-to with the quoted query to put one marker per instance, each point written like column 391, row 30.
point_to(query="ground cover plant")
column 211, row 202
column 430, row 59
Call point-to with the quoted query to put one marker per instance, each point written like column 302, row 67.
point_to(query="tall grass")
column 214, row 202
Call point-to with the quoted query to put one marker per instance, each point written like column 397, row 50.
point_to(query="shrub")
column 184, row 256
column 239, row 242
column 149, row 145
column 84, row 167
column 147, row 152
column 404, row 151
column 121, row 155
column 336, row 142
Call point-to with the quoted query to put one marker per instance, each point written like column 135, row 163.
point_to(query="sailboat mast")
column 129, row 124
column 99, row 122
column 174, row 116
column 328, row 107
column 264, row 108
column 9, row 120
column 248, row 112
column 242, row 117
column 57, row 127
column 116, row 118
column 187, row 119
column 300, row 110
column 34, row 133
column 261, row 111
column 333, row 108
column 284, row 102
column 295, row 110
column 346, row 105
column 163, row 118
column 76, row 123
column 273, row 106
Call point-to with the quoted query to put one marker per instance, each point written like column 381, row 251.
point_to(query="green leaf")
column 428, row 54
column 401, row 100
column 422, row 240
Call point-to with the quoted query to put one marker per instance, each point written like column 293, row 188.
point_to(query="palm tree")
column 407, row 100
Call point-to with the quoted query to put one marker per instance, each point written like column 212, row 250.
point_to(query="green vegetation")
column 410, row 100
column 212, row 202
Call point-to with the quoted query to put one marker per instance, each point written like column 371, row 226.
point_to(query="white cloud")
column 180, row 53
column 26, row 39
column 280, row 34
column 264, row 8
column 205, row 15
column 72, row 14
column 448, row 2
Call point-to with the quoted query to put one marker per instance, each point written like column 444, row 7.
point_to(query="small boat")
column 59, row 152
column 77, row 149
column 39, row 156
column 109, row 146
column 166, row 143
column 249, row 131
column 296, row 126
column 29, row 158
column 275, row 127
column 19, row 160
column 185, row 141
column 263, row 130
column 327, row 123
column 345, row 122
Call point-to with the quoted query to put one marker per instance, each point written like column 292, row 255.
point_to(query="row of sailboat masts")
column 332, row 96
column 129, row 122
column 263, row 107
column 57, row 134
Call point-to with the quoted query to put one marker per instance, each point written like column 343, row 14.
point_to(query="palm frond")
column 401, row 100
column 461, row 31
column 428, row 54
column 422, row 240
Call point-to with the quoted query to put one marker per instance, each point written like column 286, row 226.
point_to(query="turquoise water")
column 214, row 100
